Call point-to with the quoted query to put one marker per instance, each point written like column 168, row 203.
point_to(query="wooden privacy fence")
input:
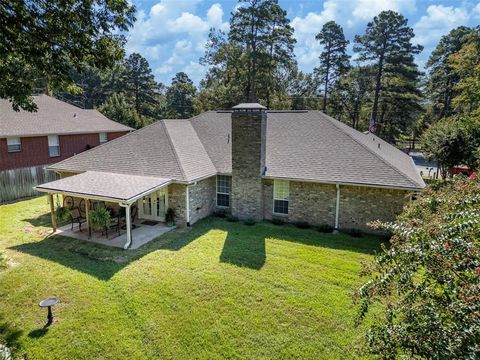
column 19, row 183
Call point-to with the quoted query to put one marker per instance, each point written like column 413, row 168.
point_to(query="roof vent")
column 379, row 145
column 75, row 115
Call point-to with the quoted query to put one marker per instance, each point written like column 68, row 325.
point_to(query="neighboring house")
column 56, row 131
column 301, row 166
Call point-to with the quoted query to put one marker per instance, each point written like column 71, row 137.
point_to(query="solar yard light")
column 48, row 303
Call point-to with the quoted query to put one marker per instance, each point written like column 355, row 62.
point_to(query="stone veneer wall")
column 177, row 201
column 315, row 203
column 360, row 204
column 248, row 163
column 202, row 199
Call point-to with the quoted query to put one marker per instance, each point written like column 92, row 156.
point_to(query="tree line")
column 379, row 88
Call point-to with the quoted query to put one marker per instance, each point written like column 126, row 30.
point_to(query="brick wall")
column 315, row 203
column 35, row 149
column 359, row 205
column 248, row 162
column 202, row 199
column 177, row 201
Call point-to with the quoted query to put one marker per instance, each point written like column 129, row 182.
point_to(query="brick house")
column 55, row 132
column 250, row 162
column 31, row 140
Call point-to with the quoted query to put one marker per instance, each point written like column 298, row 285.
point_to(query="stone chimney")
column 249, row 127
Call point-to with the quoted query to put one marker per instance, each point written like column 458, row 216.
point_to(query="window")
column 281, row 193
column 14, row 144
column 53, row 146
column 224, row 185
column 103, row 138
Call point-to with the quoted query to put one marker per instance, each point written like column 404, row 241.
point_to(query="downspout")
column 187, row 204
column 337, row 207
column 129, row 225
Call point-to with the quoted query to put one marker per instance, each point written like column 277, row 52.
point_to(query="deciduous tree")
column 45, row 39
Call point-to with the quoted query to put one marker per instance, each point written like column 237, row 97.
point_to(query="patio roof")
column 105, row 186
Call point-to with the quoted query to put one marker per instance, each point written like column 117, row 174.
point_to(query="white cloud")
column 476, row 11
column 351, row 14
column 367, row 9
column 438, row 21
column 172, row 36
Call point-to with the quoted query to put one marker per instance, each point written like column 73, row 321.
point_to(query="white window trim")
column 275, row 183
column 100, row 138
column 223, row 193
column 55, row 143
column 11, row 143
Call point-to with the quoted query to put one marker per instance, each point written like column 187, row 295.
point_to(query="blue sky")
column 172, row 34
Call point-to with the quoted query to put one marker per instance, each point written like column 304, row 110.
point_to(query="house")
column 57, row 131
column 253, row 163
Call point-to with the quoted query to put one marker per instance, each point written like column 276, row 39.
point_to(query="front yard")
column 218, row 290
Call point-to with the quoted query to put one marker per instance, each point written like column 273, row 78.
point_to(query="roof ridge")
column 201, row 143
column 179, row 163
column 381, row 158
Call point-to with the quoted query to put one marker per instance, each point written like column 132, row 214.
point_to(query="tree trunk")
column 378, row 84
column 325, row 90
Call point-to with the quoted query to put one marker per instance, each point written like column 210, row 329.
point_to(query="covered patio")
column 118, row 190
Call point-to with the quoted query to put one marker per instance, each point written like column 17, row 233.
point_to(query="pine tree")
column 334, row 60
column 263, row 32
column 139, row 83
column 442, row 79
column 387, row 44
column 180, row 96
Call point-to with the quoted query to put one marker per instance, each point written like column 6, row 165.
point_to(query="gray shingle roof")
column 305, row 145
column 105, row 185
column 53, row 117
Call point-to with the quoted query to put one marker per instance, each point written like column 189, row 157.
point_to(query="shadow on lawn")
column 9, row 334
column 245, row 245
column 98, row 260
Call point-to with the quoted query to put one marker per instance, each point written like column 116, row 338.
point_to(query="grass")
column 218, row 290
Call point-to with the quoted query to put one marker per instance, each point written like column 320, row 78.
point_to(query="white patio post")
column 87, row 215
column 337, row 207
column 52, row 212
column 129, row 227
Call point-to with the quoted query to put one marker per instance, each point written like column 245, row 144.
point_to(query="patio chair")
column 114, row 222
column 76, row 218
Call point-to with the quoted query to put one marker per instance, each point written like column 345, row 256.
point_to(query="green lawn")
column 218, row 290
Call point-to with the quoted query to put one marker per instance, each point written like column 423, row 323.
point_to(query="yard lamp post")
column 48, row 303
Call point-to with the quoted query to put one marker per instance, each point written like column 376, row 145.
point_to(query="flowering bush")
column 429, row 278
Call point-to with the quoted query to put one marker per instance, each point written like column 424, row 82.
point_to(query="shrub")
column 356, row 233
column 170, row 216
column 100, row 218
column 277, row 221
column 325, row 228
column 232, row 218
column 62, row 214
column 220, row 213
column 428, row 280
column 302, row 224
column 249, row 222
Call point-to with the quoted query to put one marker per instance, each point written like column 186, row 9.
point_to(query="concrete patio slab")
column 141, row 235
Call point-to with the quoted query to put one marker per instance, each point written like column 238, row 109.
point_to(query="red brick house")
column 56, row 131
